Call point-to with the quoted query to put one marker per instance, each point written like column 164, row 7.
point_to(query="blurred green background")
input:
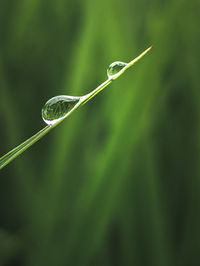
column 118, row 182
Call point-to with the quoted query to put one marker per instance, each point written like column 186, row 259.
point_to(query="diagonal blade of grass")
column 11, row 155
column 28, row 143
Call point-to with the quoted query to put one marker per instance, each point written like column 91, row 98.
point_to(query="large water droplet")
column 114, row 68
column 57, row 107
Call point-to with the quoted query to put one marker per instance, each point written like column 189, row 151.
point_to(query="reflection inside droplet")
column 114, row 68
column 57, row 108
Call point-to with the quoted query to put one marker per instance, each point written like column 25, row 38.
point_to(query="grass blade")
column 11, row 155
column 7, row 158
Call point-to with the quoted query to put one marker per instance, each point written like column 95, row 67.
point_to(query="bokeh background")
column 118, row 182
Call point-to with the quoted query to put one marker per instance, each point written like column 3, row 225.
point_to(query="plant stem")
column 7, row 158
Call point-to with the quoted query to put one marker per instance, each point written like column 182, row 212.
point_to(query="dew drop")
column 57, row 107
column 114, row 68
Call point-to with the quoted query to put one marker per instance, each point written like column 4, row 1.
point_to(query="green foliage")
column 7, row 158
column 118, row 182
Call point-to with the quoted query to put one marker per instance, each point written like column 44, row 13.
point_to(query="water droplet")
column 114, row 68
column 57, row 107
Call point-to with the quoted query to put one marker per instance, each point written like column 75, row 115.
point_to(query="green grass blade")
column 11, row 155
column 7, row 158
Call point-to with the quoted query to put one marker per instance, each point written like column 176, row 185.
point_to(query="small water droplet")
column 114, row 68
column 57, row 107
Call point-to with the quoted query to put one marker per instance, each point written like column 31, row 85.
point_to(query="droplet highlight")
column 57, row 108
column 114, row 68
